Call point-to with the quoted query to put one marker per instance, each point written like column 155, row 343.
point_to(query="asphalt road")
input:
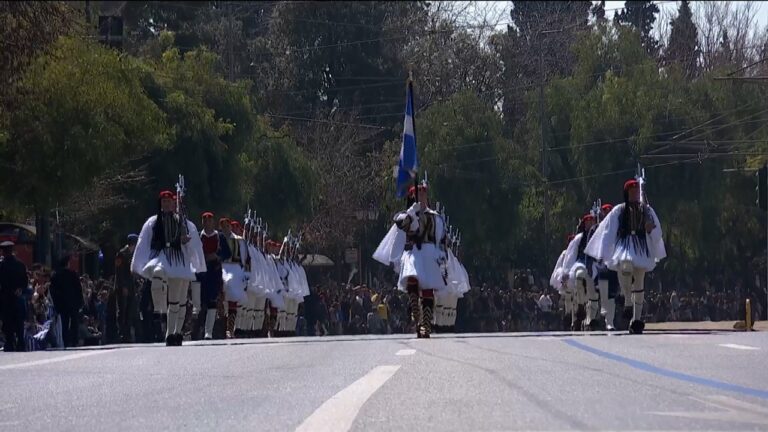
column 669, row 381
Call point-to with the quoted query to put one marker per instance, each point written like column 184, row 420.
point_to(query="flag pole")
column 413, row 123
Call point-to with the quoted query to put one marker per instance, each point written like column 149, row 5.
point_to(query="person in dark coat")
column 123, row 296
column 13, row 279
column 67, row 299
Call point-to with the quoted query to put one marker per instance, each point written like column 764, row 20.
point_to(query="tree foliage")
column 81, row 110
column 295, row 108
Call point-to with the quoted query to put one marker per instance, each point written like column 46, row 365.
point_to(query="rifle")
column 181, row 208
column 248, row 226
column 640, row 177
column 264, row 236
column 284, row 245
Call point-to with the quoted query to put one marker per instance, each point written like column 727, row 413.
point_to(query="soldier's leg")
column 175, row 289
column 577, row 287
column 210, row 320
column 289, row 314
column 439, row 312
column 625, row 283
column 259, row 315
column 413, row 300
column 593, row 301
column 282, row 316
column 427, row 311
column 608, row 305
column 183, row 296
column 248, row 321
column 231, row 318
column 582, row 292
column 638, row 299
column 568, row 307
column 159, row 291
column 195, row 292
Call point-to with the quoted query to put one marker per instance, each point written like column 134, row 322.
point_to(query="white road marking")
column 740, row 347
column 53, row 360
column 405, row 352
column 727, row 408
column 338, row 413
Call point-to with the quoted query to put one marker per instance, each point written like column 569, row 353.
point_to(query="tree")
column 605, row 120
column 338, row 54
column 84, row 109
column 683, row 41
column 27, row 28
column 474, row 175
column 539, row 31
column 640, row 15
column 598, row 11
column 738, row 20
column 451, row 59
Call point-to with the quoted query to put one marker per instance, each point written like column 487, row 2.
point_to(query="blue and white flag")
column 408, row 164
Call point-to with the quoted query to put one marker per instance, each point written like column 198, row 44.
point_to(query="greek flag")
column 408, row 164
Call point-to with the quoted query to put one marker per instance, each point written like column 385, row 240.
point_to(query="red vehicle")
column 24, row 237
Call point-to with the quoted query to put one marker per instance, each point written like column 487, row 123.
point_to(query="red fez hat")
column 606, row 208
column 630, row 184
column 236, row 224
column 224, row 220
column 167, row 194
column 207, row 215
column 412, row 189
column 588, row 217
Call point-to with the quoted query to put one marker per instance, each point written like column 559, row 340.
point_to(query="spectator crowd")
column 63, row 308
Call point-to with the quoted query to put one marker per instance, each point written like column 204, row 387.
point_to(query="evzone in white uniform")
column 607, row 283
column 291, row 293
column 578, row 272
column 421, row 233
column 447, row 300
column 257, row 286
column 234, row 258
column 557, row 281
column 276, row 313
column 283, row 316
column 169, row 254
column 630, row 242
column 298, row 290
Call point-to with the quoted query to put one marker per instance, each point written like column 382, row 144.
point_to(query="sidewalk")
column 703, row 325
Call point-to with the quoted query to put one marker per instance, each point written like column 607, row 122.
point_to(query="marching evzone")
column 607, row 282
column 630, row 242
column 557, row 281
column 169, row 253
column 296, row 296
column 458, row 284
column 578, row 271
column 275, row 290
column 257, row 284
column 421, row 260
column 211, row 283
column 303, row 291
column 284, row 319
column 297, row 280
column 234, row 258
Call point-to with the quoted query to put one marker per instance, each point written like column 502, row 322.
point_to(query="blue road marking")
column 647, row 367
